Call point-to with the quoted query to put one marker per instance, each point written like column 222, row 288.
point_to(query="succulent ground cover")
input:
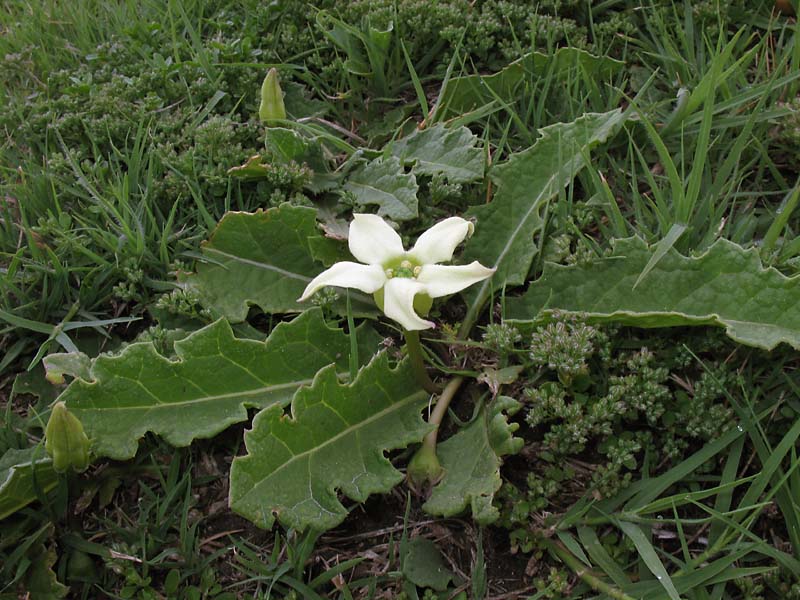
column 581, row 382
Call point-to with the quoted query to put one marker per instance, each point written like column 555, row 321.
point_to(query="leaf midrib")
column 255, row 263
column 295, row 457
column 170, row 405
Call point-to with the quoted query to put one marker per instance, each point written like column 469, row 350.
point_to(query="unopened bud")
column 424, row 467
column 272, row 107
column 65, row 440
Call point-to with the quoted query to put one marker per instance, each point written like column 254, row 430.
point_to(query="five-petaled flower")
column 402, row 281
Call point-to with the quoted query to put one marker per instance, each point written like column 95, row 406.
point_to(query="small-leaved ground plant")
column 392, row 299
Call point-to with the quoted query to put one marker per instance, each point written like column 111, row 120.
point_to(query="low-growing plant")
column 633, row 449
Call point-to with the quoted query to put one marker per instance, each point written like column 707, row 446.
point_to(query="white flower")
column 397, row 277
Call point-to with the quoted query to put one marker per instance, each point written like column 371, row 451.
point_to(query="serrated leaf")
column 505, row 228
column 463, row 94
column 471, row 460
column 208, row 387
column 261, row 259
column 23, row 473
column 726, row 286
column 438, row 150
column 383, row 182
column 335, row 440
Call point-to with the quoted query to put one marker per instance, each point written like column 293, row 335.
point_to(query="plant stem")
column 583, row 572
column 414, row 350
column 440, row 410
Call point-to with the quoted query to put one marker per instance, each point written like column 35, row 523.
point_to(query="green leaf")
column 335, row 440
column 253, row 168
column 505, row 228
column 208, row 387
column 725, row 286
column 384, row 182
column 328, row 251
column 262, row 259
column 661, row 248
column 424, row 566
column 366, row 48
column 41, row 581
column 23, row 475
column 299, row 103
column 649, row 557
column 74, row 364
column 33, row 382
column 464, row 94
column 472, row 459
column 285, row 146
column 438, row 150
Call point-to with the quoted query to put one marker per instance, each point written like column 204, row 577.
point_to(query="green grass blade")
column 662, row 247
column 649, row 556
column 597, row 552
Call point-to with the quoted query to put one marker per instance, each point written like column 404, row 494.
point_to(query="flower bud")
column 424, row 466
column 272, row 107
column 65, row 440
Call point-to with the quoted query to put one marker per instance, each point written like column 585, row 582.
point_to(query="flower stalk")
column 414, row 350
column 424, row 465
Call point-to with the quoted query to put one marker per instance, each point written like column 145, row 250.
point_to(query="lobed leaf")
column 262, row 259
column 464, row 94
column 207, row 388
column 505, row 228
column 385, row 183
column 450, row 152
column 335, row 440
column 24, row 474
column 257, row 259
column 726, row 286
column 471, row 460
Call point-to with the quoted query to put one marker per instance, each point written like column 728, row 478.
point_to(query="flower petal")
column 441, row 280
column 398, row 303
column 367, row 278
column 439, row 242
column 373, row 241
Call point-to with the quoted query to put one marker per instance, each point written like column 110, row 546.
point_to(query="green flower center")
column 403, row 268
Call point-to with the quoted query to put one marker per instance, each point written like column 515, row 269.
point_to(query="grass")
column 120, row 121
